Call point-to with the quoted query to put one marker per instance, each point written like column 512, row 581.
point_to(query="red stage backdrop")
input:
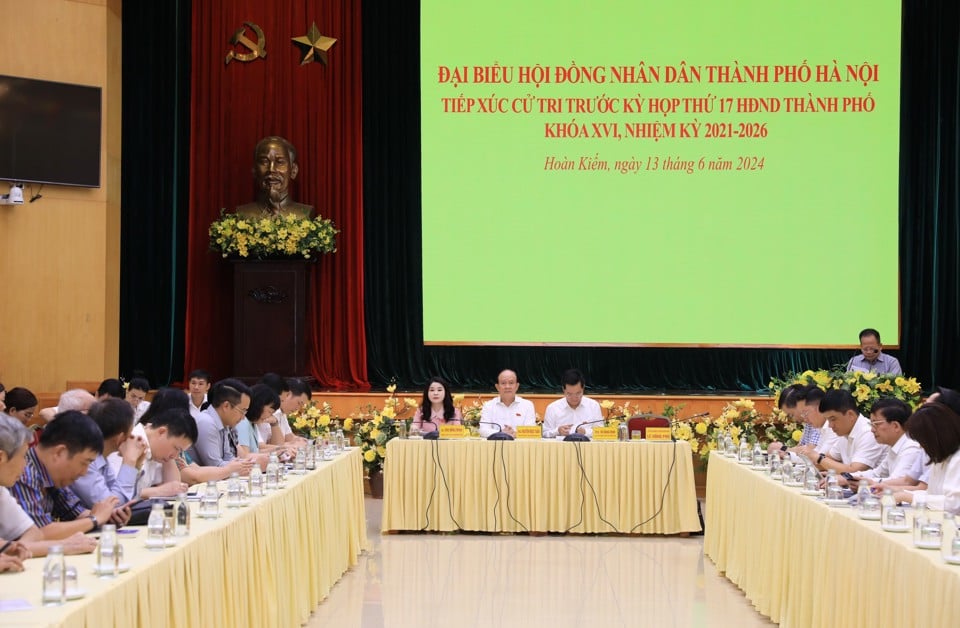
column 318, row 108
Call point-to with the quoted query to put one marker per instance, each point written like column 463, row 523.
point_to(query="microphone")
column 433, row 434
column 499, row 434
column 576, row 437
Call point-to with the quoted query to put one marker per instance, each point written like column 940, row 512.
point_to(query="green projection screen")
column 685, row 173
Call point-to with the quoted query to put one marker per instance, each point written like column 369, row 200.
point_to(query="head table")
column 632, row 487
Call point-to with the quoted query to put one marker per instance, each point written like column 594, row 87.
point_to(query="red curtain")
column 318, row 108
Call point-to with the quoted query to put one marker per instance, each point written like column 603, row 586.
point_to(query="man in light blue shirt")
column 114, row 417
column 872, row 359
column 229, row 402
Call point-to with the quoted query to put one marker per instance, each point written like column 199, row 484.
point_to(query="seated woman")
column 260, row 419
column 937, row 428
column 437, row 406
column 22, row 405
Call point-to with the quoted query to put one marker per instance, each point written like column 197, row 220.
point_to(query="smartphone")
column 849, row 477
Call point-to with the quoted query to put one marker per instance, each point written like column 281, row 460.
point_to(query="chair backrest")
column 643, row 422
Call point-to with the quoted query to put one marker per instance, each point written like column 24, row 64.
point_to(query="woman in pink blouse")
column 437, row 405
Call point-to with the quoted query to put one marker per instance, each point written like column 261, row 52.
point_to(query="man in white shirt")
column 507, row 410
column 198, row 385
column 903, row 463
column 855, row 448
column 574, row 412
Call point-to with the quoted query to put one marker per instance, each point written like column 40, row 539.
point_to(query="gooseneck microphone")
column 576, row 437
column 499, row 434
column 433, row 434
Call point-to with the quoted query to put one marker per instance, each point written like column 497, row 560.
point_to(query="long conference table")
column 269, row 564
column 803, row 563
column 633, row 487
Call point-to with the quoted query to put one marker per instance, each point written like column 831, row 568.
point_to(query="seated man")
column 855, row 448
column 229, row 402
column 787, row 402
column 508, row 410
column 75, row 399
column 871, row 358
column 15, row 525
column 67, row 447
column 137, row 396
column 294, row 394
column 112, row 387
column 198, row 385
column 167, row 434
column 903, row 463
column 114, row 417
column 568, row 414
column 806, row 405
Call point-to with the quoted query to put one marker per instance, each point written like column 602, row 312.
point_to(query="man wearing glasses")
column 229, row 402
column 903, row 463
column 563, row 416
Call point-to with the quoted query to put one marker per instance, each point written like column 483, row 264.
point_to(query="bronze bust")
column 274, row 167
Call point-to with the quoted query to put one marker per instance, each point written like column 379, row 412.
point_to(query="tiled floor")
column 463, row 580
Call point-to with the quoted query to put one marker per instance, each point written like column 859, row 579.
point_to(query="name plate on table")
column 529, row 431
column 604, row 433
column 659, row 434
column 451, row 431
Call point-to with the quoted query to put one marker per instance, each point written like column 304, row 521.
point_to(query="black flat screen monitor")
column 49, row 132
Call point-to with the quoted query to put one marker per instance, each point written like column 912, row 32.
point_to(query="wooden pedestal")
column 269, row 317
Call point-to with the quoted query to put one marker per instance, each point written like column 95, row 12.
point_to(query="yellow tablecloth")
column 266, row 565
column 541, row 486
column 803, row 563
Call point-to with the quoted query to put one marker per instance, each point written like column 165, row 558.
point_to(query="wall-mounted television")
column 49, row 132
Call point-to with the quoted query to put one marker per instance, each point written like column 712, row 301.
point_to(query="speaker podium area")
column 269, row 317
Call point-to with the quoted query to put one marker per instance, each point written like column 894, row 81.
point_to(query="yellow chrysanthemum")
column 701, row 428
column 382, row 451
column 369, row 455
column 374, row 434
column 348, row 424
column 324, row 420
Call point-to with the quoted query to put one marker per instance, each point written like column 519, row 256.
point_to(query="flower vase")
column 376, row 484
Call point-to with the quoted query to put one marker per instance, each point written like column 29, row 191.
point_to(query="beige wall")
column 60, row 256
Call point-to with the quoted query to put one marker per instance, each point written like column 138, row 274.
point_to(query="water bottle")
column 54, row 577
column 951, row 541
column 757, row 456
column 234, row 496
column 210, row 501
column 310, row 457
column 108, row 564
column 834, row 492
column 256, row 482
column 745, row 455
column 811, row 481
column 282, row 475
column 927, row 532
column 341, row 440
column 622, row 434
column 182, row 516
column 775, row 467
column 731, row 451
column 887, row 505
column 863, row 492
column 156, row 538
column 273, row 473
column 300, row 461
column 786, row 471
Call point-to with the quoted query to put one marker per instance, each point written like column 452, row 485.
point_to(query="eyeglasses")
column 878, row 422
column 241, row 410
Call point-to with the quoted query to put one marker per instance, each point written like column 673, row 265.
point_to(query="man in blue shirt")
column 871, row 358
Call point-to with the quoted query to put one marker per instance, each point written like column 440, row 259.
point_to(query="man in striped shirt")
column 67, row 447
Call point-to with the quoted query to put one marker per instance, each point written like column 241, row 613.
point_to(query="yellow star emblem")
column 314, row 45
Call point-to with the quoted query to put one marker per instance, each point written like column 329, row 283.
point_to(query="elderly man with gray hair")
column 16, row 527
column 76, row 399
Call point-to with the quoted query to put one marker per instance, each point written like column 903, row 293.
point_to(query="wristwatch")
column 96, row 524
column 820, row 458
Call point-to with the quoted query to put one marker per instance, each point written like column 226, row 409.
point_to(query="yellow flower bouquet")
column 283, row 235
column 375, row 427
column 313, row 420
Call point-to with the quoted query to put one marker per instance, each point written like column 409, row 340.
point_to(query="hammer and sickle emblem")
column 257, row 49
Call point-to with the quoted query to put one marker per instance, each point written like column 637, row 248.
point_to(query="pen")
column 4, row 547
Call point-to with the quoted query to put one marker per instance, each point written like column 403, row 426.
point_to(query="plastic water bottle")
column 210, row 501
column 745, row 455
column 182, row 516
column 256, row 482
column 951, row 542
column 833, row 486
column 234, row 495
column 757, row 456
column 273, row 473
column 156, row 539
column 341, row 440
column 54, row 577
column 863, row 492
column 300, row 461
